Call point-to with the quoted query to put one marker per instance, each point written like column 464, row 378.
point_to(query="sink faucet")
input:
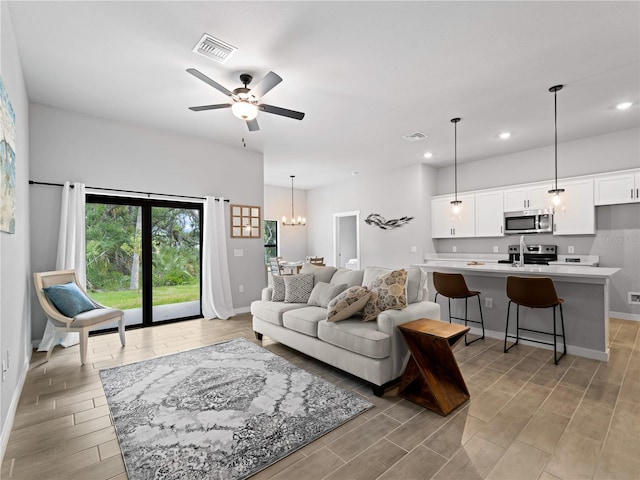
column 522, row 248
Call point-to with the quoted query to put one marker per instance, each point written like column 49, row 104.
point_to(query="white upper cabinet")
column 446, row 225
column 617, row 188
column 527, row 197
column 576, row 214
column 489, row 214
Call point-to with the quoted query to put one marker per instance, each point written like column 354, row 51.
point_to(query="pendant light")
column 295, row 222
column 455, row 204
column 555, row 191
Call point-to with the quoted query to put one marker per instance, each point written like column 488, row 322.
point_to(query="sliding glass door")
column 143, row 257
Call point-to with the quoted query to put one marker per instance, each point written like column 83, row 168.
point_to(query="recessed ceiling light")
column 355, row 173
column 428, row 155
column 624, row 105
column 505, row 135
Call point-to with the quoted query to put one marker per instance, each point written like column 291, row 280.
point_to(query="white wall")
column 15, row 274
column 603, row 153
column 394, row 194
column 103, row 153
column 292, row 241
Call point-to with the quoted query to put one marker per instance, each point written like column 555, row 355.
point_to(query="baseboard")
column 242, row 310
column 13, row 408
column 625, row 316
column 572, row 350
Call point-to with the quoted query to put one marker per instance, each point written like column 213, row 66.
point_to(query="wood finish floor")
column 527, row 418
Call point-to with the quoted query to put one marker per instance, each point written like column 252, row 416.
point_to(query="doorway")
column 144, row 257
column 346, row 239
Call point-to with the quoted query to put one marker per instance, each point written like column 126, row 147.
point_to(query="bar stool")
column 534, row 293
column 452, row 285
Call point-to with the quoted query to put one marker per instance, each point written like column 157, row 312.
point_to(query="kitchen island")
column 585, row 291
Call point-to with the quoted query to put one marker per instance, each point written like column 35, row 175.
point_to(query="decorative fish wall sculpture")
column 380, row 222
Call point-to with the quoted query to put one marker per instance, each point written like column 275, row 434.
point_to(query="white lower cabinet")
column 444, row 224
column 489, row 214
column 617, row 188
column 576, row 214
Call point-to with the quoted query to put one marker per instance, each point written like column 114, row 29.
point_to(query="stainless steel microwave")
column 528, row 221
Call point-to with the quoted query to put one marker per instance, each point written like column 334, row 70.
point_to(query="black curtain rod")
column 32, row 182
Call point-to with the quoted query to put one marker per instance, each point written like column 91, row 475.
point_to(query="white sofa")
column 374, row 351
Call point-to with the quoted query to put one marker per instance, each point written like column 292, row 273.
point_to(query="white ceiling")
column 365, row 74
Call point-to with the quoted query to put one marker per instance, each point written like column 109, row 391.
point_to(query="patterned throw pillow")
column 277, row 295
column 297, row 288
column 346, row 304
column 388, row 292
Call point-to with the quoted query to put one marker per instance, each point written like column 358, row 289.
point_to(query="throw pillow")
column 323, row 293
column 297, row 288
column 388, row 292
column 320, row 274
column 68, row 299
column 347, row 303
column 277, row 295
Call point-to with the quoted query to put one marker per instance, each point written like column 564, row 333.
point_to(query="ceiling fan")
column 245, row 100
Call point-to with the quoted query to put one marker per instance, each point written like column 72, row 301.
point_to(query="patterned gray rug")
column 225, row 411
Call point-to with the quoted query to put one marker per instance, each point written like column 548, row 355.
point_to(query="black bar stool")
column 452, row 285
column 534, row 293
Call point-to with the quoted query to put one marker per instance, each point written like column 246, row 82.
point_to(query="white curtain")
column 216, row 286
column 71, row 251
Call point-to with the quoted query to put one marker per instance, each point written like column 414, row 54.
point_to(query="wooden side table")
column 432, row 378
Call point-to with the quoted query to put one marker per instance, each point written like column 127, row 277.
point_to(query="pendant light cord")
column 555, row 124
column 292, row 217
column 455, row 158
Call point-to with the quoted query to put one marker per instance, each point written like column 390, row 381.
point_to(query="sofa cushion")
column 323, row 293
column 350, row 277
column 297, row 288
column 347, row 303
column 356, row 336
column 320, row 274
column 416, row 279
column 304, row 320
column 388, row 292
column 277, row 294
column 272, row 311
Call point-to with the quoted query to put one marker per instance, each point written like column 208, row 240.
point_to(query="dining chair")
column 70, row 297
column 316, row 261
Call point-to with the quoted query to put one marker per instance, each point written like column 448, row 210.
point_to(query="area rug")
column 225, row 411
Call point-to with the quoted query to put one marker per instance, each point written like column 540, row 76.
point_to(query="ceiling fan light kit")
column 246, row 100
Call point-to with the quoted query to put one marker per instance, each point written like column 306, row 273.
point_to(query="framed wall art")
column 245, row 221
column 7, row 163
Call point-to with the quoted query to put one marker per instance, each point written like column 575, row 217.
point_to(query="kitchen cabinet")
column 446, row 225
column 576, row 214
column 527, row 197
column 489, row 214
column 613, row 189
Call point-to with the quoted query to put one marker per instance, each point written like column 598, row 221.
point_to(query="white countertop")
column 565, row 270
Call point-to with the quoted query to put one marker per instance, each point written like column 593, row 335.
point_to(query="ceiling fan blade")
column 266, row 84
column 253, row 125
column 285, row 112
column 207, row 80
column 210, row 107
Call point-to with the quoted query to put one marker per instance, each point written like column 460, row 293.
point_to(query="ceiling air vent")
column 213, row 48
column 414, row 137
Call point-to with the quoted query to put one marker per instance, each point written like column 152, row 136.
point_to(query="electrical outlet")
column 241, row 288
column 495, row 249
column 634, row 297
column 414, row 249
column 455, row 249
column 571, row 249
column 238, row 252
column 488, row 302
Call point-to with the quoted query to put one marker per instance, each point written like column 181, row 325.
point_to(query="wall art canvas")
column 7, row 163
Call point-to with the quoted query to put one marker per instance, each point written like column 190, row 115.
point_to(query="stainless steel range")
column 533, row 255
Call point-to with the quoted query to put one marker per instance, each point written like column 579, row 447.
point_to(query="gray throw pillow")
column 323, row 293
column 277, row 295
column 297, row 288
column 320, row 274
